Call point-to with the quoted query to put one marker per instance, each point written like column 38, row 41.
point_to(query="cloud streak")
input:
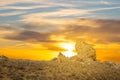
column 24, row 8
column 36, row 37
column 30, row 36
column 65, row 13
column 100, row 31
column 11, row 13
column 86, row 29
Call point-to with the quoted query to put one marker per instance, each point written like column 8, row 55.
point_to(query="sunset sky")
column 40, row 29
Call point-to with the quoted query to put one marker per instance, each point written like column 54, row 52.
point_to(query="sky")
column 40, row 29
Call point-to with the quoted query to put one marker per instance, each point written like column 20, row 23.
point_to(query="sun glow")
column 69, row 49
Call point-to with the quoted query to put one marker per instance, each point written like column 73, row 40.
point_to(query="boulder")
column 85, row 51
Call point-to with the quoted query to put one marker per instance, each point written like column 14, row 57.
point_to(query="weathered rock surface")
column 85, row 51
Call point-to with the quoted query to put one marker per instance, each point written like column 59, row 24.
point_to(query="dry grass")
column 12, row 69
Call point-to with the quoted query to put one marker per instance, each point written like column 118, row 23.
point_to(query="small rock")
column 61, row 57
column 3, row 58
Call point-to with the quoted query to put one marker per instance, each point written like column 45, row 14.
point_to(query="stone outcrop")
column 85, row 51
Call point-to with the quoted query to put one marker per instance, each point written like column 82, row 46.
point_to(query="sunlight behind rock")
column 69, row 47
column 69, row 53
column 83, row 66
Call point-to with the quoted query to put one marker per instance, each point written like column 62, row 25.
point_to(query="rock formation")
column 85, row 51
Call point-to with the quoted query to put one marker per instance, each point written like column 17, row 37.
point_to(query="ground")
column 58, row 69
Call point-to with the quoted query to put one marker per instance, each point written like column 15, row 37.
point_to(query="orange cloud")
column 104, row 34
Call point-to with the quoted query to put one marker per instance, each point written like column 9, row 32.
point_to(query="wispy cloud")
column 60, row 9
column 31, row 36
column 109, row 2
column 67, row 12
column 78, row 29
column 35, row 37
column 95, row 28
column 105, row 2
column 58, row 13
column 24, row 8
column 7, row 2
column 12, row 13
column 107, row 8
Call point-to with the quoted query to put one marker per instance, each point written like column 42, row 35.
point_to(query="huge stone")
column 85, row 51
